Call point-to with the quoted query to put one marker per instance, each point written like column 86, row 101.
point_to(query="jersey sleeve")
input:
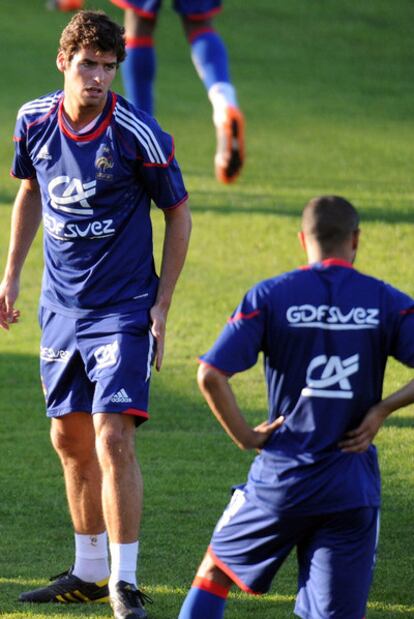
column 160, row 171
column 22, row 166
column 241, row 340
column 402, row 318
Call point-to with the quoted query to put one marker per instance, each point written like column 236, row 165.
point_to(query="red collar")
column 97, row 131
column 329, row 262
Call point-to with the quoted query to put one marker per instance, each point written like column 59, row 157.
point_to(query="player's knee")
column 115, row 445
column 210, row 571
column 192, row 25
column 70, row 446
column 207, row 377
column 137, row 26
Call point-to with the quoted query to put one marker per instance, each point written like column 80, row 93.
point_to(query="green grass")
column 327, row 88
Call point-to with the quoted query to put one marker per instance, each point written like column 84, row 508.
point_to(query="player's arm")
column 176, row 239
column 26, row 217
column 216, row 389
column 358, row 440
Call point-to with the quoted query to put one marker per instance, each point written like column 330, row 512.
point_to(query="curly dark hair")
column 93, row 29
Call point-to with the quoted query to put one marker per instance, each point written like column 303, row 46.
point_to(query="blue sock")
column 138, row 73
column 200, row 604
column 209, row 56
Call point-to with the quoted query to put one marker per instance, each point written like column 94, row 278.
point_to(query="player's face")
column 88, row 77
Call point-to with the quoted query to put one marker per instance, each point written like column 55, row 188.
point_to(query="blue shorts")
column 192, row 9
column 336, row 554
column 96, row 366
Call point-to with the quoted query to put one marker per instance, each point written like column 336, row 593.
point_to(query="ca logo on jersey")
column 327, row 377
column 67, row 194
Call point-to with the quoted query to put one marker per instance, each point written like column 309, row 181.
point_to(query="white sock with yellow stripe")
column 91, row 559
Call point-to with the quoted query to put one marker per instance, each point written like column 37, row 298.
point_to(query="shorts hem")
column 124, row 4
column 139, row 415
column 61, row 412
column 229, row 572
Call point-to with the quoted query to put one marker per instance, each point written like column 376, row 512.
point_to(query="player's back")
column 327, row 337
column 329, row 330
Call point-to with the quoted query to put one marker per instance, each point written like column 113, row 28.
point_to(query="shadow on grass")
column 239, row 203
column 406, row 421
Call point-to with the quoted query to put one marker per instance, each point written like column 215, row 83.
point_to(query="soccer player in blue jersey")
column 90, row 164
column 325, row 332
column 209, row 56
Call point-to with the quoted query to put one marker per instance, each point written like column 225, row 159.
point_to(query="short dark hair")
column 330, row 220
column 93, row 29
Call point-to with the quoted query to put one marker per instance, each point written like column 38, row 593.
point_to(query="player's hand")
column 8, row 295
column 263, row 432
column 158, row 327
column 358, row 440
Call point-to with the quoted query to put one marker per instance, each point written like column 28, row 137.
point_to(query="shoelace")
column 133, row 594
column 65, row 573
column 144, row 597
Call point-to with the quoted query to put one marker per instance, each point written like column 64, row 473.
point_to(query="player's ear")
column 355, row 239
column 61, row 61
column 302, row 239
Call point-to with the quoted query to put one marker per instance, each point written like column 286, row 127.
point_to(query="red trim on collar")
column 329, row 262
column 86, row 137
column 337, row 262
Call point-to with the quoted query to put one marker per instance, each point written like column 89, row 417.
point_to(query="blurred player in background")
column 210, row 59
column 90, row 164
column 65, row 5
column 325, row 331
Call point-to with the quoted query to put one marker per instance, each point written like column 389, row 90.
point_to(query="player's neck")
column 345, row 252
column 79, row 118
column 317, row 255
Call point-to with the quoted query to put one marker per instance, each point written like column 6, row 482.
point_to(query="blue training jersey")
column 325, row 332
column 96, row 190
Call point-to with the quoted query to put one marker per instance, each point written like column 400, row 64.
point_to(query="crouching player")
column 325, row 331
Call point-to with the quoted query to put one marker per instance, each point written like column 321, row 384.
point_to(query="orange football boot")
column 229, row 157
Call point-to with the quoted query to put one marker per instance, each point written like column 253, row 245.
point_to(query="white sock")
column 91, row 559
column 222, row 95
column 123, row 563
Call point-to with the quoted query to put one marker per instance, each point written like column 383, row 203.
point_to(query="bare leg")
column 73, row 437
column 136, row 26
column 122, row 487
column 210, row 571
column 191, row 26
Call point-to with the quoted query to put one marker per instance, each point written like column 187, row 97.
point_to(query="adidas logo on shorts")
column 121, row 397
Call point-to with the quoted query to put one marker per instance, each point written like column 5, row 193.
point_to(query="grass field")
column 328, row 90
